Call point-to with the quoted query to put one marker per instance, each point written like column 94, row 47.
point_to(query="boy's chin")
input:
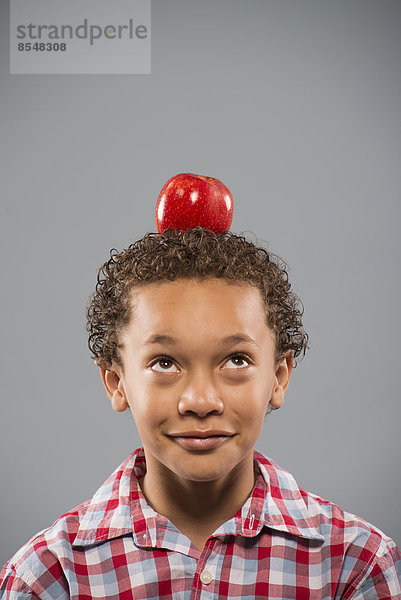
column 208, row 467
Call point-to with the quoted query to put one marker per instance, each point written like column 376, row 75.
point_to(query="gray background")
column 295, row 105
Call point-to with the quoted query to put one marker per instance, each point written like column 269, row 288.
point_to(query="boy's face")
column 198, row 372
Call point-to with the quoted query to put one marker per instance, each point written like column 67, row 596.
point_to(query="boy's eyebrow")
column 227, row 341
column 238, row 338
column 160, row 339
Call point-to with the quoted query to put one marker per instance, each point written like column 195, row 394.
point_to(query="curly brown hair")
column 195, row 253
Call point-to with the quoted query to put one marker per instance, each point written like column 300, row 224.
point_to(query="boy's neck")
column 198, row 508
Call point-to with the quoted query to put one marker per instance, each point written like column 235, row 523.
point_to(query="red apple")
column 189, row 200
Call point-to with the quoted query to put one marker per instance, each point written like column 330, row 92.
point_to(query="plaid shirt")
column 284, row 543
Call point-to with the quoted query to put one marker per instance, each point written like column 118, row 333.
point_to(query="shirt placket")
column 208, row 571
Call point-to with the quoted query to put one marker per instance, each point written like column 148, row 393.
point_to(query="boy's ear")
column 114, row 388
column 281, row 380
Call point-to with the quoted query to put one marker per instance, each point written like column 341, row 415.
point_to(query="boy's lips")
column 201, row 439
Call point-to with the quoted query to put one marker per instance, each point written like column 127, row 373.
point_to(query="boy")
column 197, row 334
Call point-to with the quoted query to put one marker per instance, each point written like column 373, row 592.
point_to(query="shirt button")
column 206, row 577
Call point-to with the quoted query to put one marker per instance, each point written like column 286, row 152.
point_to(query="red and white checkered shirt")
column 284, row 543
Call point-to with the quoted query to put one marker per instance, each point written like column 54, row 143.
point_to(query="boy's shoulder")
column 105, row 516
column 369, row 558
column 301, row 512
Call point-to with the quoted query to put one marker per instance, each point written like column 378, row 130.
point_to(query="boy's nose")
column 200, row 397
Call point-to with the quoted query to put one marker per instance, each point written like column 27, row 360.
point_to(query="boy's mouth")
column 201, row 440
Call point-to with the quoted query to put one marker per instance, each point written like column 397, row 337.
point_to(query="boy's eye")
column 238, row 361
column 164, row 365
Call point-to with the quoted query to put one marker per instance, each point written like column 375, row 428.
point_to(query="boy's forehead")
column 173, row 301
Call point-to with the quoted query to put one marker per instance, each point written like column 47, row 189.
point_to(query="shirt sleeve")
column 383, row 581
column 12, row 587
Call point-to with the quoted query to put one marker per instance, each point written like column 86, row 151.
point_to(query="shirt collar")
column 119, row 507
column 286, row 507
